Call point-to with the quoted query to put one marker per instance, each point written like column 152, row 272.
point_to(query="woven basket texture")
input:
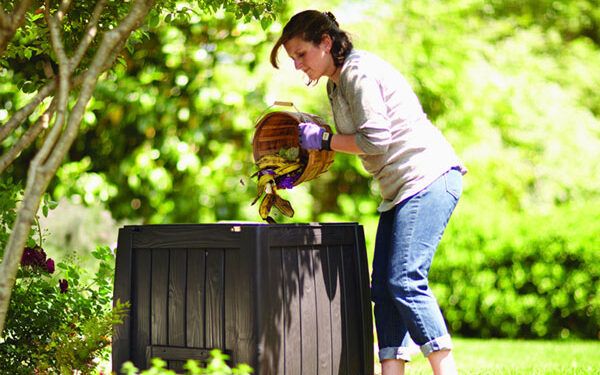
column 279, row 129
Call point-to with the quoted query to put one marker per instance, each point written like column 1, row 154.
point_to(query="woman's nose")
column 297, row 64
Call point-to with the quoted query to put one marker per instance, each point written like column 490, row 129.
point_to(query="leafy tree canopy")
column 30, row 56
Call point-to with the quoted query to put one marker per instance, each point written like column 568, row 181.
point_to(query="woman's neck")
column 335, row 76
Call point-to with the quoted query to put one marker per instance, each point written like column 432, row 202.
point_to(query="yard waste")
column 280, row 162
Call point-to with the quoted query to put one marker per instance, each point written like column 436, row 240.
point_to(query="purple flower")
column 286, row 182
column 36, row 258
column 31, row 256
column 266, row 171
column 63, row 285
column 28, row 258
column 50, row 265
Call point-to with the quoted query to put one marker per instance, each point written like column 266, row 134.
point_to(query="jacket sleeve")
column 363, row 92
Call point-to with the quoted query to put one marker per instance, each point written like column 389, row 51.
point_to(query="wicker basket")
column 279, row 129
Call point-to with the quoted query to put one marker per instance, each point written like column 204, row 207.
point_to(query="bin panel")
column 323, row 305
column 352, row 307
column 214, row 300
column 185, row 236
column 159, row 298
column 272, row 339
column 122, row 345
column 176, row 302
column 142, row 273
column 240, row 304
column 317, row 326
column 308, row 311
column 290, row 299
column 291, row 302
column 195, row 294
column 338, row 330
column 176, row 299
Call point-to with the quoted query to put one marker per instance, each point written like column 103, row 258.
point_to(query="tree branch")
column 55, row 34
column 105, row 54
column 4, row 19
column 24, row 112
column 90, row 33
column 10, row 23
column 64, row 5
column 64, row 73
column 27, row 139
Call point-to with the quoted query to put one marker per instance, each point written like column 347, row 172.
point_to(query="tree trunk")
column 65, row 127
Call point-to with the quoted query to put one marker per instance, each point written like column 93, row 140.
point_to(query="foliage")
column 81, row 345
column 520, row 256
column 60, row 317
column 512, row 85
column 216, row 365
column 10, row 195
column 525, row 276
column 514, row 95
column 30, row 56
column 171, row 127
column 572, row 19
column 69, row 27
column 60, row 322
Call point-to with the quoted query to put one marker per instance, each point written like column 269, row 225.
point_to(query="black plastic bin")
column 285, row 299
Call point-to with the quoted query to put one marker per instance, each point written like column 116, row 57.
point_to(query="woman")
column 379, row 118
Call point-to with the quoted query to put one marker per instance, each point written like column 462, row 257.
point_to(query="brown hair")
column 311, row 26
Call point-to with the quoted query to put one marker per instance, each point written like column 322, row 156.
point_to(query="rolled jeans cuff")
column 392, row 352
column 437, row 344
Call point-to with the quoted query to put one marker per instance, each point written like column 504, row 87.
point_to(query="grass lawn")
column 517, row 357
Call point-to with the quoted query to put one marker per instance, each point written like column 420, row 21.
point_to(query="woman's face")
column 314, row 60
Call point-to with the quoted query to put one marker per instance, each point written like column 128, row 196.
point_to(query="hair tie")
column 331, row 18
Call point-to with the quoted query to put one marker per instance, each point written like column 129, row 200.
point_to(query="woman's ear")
column 326, row 43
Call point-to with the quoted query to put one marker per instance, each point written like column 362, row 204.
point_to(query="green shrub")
column 514, row 275
column 60, row 318
column 216, row 365
column 58, row 323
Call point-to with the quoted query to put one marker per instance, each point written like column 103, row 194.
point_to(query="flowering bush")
column 55, row 326
column 60, row 317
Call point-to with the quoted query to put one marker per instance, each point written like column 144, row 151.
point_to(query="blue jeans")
column 407, row 237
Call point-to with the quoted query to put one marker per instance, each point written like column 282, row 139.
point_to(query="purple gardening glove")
column 311, row 136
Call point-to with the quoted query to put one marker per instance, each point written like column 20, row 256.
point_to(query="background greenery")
column 512, row 85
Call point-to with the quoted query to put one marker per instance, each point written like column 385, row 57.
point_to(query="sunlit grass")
column 518, row 357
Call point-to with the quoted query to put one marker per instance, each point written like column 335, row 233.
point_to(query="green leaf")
column 154, row 19
column 265, row 23
column 28, row 87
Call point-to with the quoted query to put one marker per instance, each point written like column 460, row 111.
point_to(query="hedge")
column 519, row 275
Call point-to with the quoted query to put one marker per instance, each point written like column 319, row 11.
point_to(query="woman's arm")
column 345, row 143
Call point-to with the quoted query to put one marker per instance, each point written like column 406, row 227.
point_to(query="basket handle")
column 275, row 103
column 283, row 104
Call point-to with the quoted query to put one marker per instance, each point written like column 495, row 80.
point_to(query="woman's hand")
column 313, row 137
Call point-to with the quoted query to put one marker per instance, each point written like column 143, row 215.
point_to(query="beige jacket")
column 402, row 149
